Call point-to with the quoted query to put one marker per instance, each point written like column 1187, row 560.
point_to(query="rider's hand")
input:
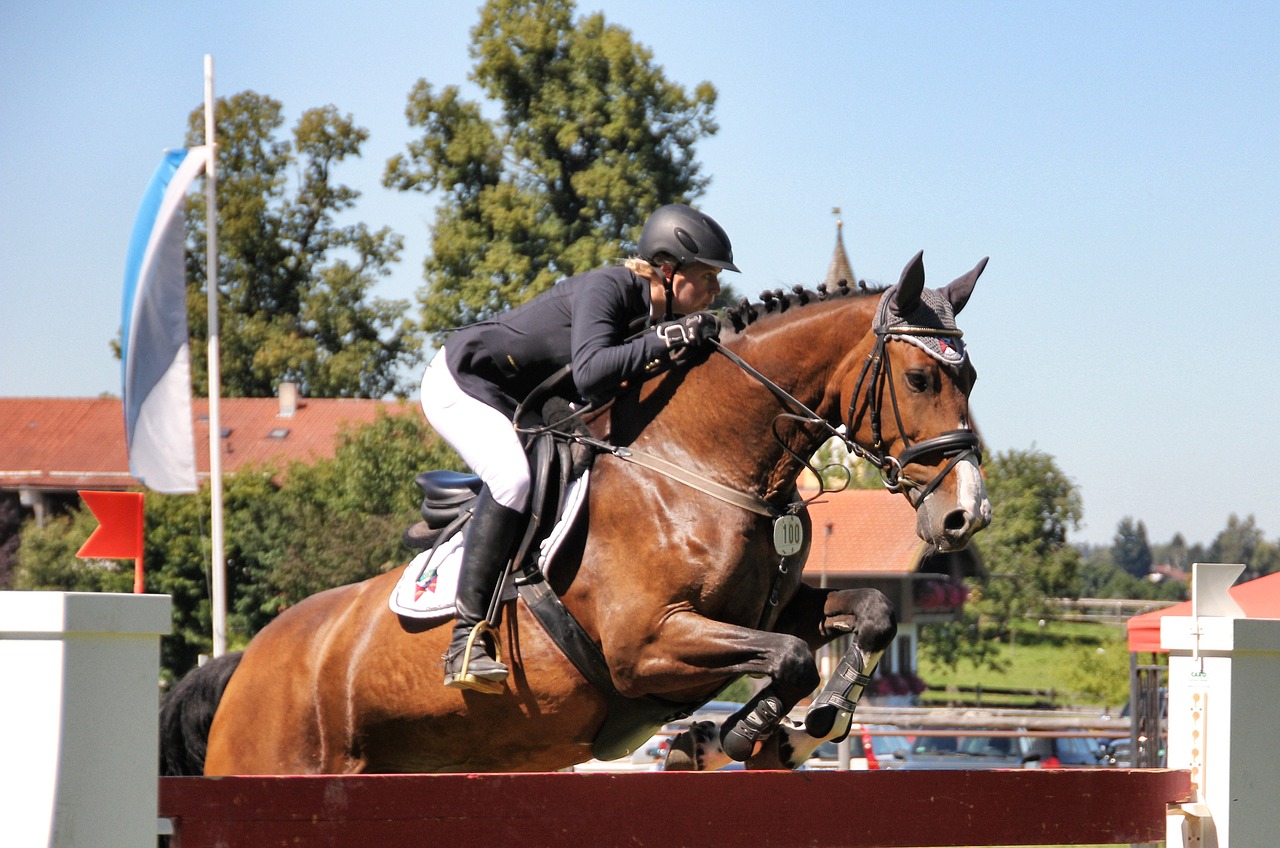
column 691, row 331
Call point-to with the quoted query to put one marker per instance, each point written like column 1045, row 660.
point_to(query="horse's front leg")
column 821, row 615
column 689, row 652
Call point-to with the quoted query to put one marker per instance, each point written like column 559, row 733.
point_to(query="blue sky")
column 1119, row 162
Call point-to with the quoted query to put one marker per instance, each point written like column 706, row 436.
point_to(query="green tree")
column 1238, row 542
column 1176, row 553
column 588, row 137
column 1129, row 547
column 1100, row 673
column 1025, row 551
column 1265, row 559
column 343, row 519
column 295, row 286
column 47, row 559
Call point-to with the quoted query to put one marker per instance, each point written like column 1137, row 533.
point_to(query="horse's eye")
column 918, row 380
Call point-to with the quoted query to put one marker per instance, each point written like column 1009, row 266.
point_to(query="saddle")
column 556, row 460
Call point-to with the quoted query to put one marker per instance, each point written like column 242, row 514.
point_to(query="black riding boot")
column 490, row 538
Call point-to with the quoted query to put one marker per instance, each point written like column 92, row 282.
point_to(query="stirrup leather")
column 464, row 679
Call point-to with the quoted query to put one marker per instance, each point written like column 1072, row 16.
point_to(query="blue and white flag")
column 156, row 350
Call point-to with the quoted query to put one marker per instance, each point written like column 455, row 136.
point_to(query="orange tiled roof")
column 873, row 531
column 70, row 443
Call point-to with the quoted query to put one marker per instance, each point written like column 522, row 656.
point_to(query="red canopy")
column 1258, row 598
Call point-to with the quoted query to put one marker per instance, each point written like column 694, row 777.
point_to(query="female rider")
column 475, row 382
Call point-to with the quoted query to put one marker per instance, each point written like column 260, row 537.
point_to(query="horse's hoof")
column 749, row 726
column 683, row 753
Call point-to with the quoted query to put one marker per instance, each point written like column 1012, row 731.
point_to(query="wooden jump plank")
column 716, row 810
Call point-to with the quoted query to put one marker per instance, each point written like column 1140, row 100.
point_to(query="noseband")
column 954, row 445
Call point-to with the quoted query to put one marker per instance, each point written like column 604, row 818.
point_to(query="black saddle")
column 445, row 496
column 555, row 461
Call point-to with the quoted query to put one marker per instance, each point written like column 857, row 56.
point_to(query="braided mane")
column 746, row 313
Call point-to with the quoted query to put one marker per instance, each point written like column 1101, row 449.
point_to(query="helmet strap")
column 667, row 288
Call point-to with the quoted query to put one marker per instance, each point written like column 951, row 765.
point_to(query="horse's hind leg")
column 699, row 748
column 696, row 749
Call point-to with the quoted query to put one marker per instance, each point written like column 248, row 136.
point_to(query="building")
column 53, row 447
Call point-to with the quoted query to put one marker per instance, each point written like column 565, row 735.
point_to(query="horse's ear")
column 959, row 289
column 910, row 284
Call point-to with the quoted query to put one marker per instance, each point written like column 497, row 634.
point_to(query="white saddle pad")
column 429, row 584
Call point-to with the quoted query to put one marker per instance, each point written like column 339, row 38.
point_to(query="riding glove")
column 692, row 331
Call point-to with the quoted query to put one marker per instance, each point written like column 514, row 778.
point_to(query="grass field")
column 1059, row 656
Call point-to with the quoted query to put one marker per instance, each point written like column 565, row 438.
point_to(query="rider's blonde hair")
column 642, row 268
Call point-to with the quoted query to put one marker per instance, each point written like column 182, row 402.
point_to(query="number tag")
column 788, row 535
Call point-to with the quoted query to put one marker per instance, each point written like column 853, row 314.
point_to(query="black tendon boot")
column 490, row 537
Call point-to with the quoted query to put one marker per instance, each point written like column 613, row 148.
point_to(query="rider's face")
column 694, row 287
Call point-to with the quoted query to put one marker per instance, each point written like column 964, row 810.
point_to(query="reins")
column 954, row 445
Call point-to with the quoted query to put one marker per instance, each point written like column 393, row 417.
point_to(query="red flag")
column 119, row 535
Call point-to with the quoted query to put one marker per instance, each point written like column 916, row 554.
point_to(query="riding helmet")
column 688, row 235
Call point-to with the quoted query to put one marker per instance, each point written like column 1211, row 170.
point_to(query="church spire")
column 840, row 268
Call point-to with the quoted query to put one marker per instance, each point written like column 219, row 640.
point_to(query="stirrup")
column 464, row 679
column 831, row 713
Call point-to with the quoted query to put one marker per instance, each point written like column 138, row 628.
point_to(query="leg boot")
column 468, row 663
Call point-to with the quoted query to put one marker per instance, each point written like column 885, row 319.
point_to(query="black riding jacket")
column 584, row 320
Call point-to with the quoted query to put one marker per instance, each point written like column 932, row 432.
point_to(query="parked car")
column 981, row 751
column 868, row 749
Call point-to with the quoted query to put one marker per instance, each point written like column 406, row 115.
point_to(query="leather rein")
column 955, row 445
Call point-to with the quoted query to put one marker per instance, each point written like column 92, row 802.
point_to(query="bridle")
column 954, row 445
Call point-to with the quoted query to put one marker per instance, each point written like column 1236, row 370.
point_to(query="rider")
column 472, row 387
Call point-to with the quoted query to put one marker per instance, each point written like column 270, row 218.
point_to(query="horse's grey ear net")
column 932, row 312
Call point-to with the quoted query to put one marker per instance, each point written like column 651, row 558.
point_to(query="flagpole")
column 219, row 565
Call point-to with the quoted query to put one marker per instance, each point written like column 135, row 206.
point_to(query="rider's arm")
column 602, row 357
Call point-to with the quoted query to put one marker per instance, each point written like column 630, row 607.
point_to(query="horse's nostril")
column 957, row 519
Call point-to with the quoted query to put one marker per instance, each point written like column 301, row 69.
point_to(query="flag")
column 119, row 533
column 155, row 348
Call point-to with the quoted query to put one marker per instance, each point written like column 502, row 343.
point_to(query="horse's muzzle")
column 951, row 514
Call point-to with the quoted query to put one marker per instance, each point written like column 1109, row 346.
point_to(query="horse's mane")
column 746, row 313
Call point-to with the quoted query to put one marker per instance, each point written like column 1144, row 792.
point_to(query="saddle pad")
column 429, row 584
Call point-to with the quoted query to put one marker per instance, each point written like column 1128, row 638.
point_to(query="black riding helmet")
column 687, row 235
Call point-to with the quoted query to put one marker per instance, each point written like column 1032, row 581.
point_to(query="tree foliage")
column 295, row 285
column 1130, row 549
column 1243, row 542
column 588, row 137
column 1100, row 673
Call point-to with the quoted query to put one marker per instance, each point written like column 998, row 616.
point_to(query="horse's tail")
column 187, row 714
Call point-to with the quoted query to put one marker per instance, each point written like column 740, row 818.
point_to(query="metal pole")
column 219, row 565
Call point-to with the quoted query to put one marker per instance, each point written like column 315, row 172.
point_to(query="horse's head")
column 908, row 407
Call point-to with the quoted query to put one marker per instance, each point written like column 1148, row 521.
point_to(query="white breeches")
column 484, row 437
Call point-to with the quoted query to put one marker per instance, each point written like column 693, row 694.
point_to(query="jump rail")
column 768, row 809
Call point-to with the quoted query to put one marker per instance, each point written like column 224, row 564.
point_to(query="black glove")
column 692, row 331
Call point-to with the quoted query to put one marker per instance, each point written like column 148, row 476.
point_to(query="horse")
column 681, row 590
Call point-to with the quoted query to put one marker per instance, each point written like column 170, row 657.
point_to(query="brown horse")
column 681, row 590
